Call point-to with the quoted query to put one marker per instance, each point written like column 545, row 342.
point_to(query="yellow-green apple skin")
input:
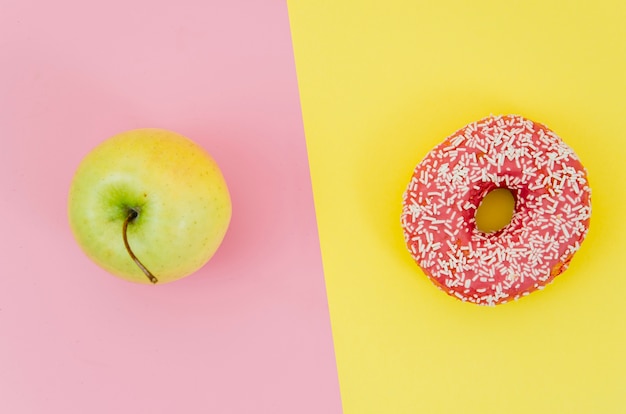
column 183, row 204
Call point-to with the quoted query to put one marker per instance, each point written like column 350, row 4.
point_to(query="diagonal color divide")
column 381, row 83
column 250, row 332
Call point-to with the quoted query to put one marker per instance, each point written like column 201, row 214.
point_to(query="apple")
column 149, row 206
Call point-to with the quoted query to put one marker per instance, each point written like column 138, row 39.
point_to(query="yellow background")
column 381, row 83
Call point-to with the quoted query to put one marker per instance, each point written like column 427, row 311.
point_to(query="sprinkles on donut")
column 551, row 218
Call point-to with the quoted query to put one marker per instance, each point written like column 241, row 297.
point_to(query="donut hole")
column 495, row 210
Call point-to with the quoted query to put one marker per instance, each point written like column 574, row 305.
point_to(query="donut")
column 550, row 221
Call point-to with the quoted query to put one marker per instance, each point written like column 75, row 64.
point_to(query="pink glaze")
column 551, row 219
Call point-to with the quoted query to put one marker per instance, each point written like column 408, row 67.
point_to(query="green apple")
column 149, row 206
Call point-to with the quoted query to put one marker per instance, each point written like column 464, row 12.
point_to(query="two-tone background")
column 317, row 112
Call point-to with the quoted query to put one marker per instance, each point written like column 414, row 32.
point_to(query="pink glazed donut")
column 551, row 218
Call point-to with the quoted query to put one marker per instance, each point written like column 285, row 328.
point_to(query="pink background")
column 248, row 333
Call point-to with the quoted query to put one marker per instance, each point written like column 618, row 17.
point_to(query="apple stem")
column 132, row 215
